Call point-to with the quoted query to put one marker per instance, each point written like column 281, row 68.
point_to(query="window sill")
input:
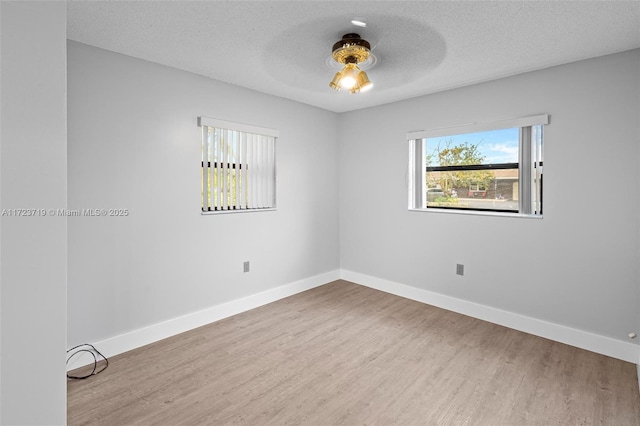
column 216, row 212
column 477, row 213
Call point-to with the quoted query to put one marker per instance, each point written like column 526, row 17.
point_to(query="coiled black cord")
column 94, row 352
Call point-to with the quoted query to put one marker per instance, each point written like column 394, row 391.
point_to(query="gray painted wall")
column 33, row 175
column 134, row 144
column 578, row 266
column 159, row 263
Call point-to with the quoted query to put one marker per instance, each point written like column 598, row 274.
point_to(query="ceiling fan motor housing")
column 352, row 49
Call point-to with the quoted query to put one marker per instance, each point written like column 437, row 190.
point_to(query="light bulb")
column 348, row 82
column 348, row 76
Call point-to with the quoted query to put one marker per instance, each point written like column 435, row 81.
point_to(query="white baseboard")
column 596, row 343
column 592, row 342
column 137, row 338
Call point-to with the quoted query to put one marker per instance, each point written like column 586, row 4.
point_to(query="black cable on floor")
column 94, row 352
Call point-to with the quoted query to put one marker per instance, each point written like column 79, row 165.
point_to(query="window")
column 238, row 168
column 481, row 167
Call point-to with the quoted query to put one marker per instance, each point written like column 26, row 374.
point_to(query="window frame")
column 530, row 165
column 264, row 182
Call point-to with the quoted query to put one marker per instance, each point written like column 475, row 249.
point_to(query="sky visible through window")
column 497, row 146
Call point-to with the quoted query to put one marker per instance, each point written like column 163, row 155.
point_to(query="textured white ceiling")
column 282, row 47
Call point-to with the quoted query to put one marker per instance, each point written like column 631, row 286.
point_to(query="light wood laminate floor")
column 343, row 354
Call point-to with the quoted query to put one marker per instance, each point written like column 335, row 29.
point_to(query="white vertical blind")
column 271, row 172
column 206, row 159
column 253, row 175
column 242, row 172
column 525, row 192
column 417, row 183
column 218, row 169
column 536, row 146
column 238, row 166
column 223, row 165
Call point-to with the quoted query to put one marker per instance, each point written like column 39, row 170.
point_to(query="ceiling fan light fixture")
column 350, row 51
